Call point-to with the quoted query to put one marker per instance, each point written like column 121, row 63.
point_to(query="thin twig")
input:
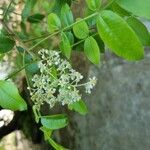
column 10, row 11
column 81, row 41
column 35, row 38
column 15, row 37
column 64, row 29
column 5, row 13
column 17, row 71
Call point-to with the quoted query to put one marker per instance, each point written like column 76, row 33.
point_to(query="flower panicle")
column 57, row 81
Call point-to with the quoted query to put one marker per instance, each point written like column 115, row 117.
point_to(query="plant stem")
column 64, row 29
column 75, row 44
column 51, row 35
column 36, row 38
column 10, row 11
column 17, row 71
column 5, row 13
column 39, row 37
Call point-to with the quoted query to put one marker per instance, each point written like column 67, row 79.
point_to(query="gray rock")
column 119, row 107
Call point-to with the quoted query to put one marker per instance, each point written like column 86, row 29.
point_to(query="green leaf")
column 1, row 56
column 70, row 37
column 10, row 98
column 140, row 30
column 22, row 35
column 58, row 5
column 91, row 50
column 119, row 36
column 91, row 21
column 36, row 18
column 31, row 69
column 66, row 15
column 54, row 121
column 29, row 4
column 100, row 43
column 137, row 7
column 18, row 60
column 23, row 27
column 56, row 145
column 80, row 29
column 65, row 45
column 93, row 4
column 53, row 22
column 47, row 133
column 119, row 10
column 20, row 49
column 79, row 107
column 6, row 43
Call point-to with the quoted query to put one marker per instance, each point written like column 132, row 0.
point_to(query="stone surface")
column 119, row 107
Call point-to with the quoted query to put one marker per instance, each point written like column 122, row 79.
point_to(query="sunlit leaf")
column 66, row 15
column 54, row 121
column 93, row 4
column 65, row 45
column 119, row 36
column 54, row 22
column 81, row 30
column 91, row 50
column 137, row 7
column 10, row 98
column 79, row 107
column 140, row 29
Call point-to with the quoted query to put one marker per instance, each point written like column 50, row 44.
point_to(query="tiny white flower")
column 89, row 85
column 57, row 81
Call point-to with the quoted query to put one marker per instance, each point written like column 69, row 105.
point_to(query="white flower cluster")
column 57, row 81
